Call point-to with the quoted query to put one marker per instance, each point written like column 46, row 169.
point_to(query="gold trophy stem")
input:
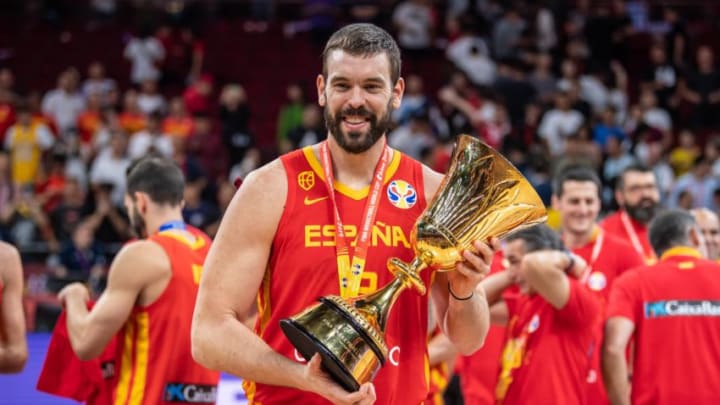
column 377, row 305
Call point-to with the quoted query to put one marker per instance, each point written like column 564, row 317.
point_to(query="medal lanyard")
column 597, row 247
column 630, row 230
column 350, row 275
column 171, row 225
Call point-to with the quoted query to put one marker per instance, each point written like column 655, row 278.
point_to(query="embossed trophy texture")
column 482, row 196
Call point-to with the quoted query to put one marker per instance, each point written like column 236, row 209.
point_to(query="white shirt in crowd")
column 149, row 103
column 658, row 118
column 144, row 54
column 414, row 22
column 142, row 142
column 64, row 108
column 107, row 169
column 556, row 126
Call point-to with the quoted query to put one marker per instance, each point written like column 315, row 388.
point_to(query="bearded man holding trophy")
column 327, row 222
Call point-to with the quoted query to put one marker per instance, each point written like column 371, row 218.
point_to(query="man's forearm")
column 229, row 346
column 77, row 316
column 467, row 322
column 615, row 374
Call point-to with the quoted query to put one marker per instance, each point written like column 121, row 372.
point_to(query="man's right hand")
column 319, row 382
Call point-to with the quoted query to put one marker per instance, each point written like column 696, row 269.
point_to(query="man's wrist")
column 465, row 297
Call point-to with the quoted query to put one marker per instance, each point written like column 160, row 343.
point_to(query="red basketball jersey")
column 155, row 361
column 303, row 267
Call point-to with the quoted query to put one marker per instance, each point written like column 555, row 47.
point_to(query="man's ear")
column 320, row 84
column 698, row 240
column 141, row 202
column 398, row 91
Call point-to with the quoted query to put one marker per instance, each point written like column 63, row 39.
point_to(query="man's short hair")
column 364, row 39
column 635, row 167
column 159, row 178
column 574, row 173
column 537, row 237
column 669, row 229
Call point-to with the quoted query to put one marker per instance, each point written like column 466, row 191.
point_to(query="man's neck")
column 574, row 240
column 162, row 215
column 354, row 170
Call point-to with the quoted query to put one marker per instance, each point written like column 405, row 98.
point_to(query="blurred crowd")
column 545, row 82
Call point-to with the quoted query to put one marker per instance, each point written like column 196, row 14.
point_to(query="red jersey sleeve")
column 623, row 297
column 582, row 306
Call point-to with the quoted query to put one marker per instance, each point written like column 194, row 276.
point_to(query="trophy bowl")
column 482, row 196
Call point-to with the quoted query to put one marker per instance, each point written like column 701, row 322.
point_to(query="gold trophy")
column 482, row 196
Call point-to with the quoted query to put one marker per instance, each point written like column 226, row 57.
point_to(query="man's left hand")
column 473, row 269
column 73, row 291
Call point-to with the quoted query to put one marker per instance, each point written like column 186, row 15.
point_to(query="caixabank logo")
column 661, row 309
column 190, row 393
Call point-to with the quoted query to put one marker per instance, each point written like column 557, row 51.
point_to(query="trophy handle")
column 408, row 273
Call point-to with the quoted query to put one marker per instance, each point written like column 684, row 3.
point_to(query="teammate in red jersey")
column 278, row 241
column 576, row 196
column 637, row 195
column 13, row 346
column 672, row 311
column 551, row 322
column 149, row 299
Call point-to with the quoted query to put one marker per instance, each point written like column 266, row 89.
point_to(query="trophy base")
column 351, row 359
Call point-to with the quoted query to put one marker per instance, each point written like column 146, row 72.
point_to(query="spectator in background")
column 657, row 161
column 414, row 100
column 699, row 182
column 80, row 259
column 709, row 225
column 131, row 119
column 178, row 122
column 196, row 211
column 7, row 113
column 670, row 311
column 149, row 100
column 683, row 156
column 110, row 165
column 184, row 55
column 290, row 116
column 70, row 212
column 90, row 120
column 558, row 124
column 65, row 103
column 617, row 159
column 701, row 88
column 662, row 76
column 198, row 96
column 470, row 54
column 607, row 128
column 652, row 114
column 311, row 131
column 676, row 38
column 513, row 89
column 415, row 24
column 415, row 136
column 235, row 122
column 543, row 78
column 507, row 34
column 97, row 84
column 7, row 191
column 110, row 223
column 150, row 140
column 7, row 85
column 26, row 142
column 145, row 53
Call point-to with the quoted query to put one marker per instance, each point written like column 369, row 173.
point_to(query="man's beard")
column 644, row 211
column 358, row 142
column 137, row 223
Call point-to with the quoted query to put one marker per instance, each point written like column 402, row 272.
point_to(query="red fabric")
column 677, row 357
column 154, row 344
column 7, row 119
column 614, row 225
column 546, row 355
column 439, row 378
column 132, row 122
column 479, row 371
column 602, row 274
column 181, row 127
column 88, row 123
column 65, row 375
column 303, row 266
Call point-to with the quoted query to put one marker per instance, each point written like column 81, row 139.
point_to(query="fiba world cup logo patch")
column 597, row 281
column 401, row 194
